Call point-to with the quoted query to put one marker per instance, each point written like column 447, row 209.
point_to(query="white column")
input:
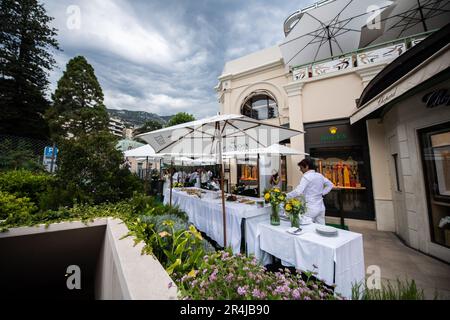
column 294, row 93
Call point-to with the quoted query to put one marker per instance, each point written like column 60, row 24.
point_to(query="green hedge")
column 24, row 183
column 13, row 207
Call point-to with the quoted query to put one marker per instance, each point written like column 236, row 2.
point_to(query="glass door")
column 435, row 144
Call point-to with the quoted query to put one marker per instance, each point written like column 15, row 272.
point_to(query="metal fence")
column 24, row 152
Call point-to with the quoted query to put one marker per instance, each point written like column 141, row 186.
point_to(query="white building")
column 321, row 97
column 116, row 126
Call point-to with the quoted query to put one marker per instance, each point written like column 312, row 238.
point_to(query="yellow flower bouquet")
column 294, row 209
column 275, row 197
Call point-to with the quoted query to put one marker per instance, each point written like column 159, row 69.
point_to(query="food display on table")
column 246, row 201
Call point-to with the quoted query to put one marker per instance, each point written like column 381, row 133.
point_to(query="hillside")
column 136, row 118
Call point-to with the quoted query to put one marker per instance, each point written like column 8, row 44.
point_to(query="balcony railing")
column 362, row 57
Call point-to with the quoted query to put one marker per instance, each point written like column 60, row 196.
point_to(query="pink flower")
column 242, row 291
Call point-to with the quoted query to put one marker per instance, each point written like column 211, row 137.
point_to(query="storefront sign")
column 439, row 97
column 388, row 96
column 333, row 135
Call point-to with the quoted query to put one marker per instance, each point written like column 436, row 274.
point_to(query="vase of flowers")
column 295, row 208
column 275, row 197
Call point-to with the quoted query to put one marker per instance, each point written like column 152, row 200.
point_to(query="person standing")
column 314, row 186
column 275, row 179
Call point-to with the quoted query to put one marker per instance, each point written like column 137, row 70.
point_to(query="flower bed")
column 223, row 275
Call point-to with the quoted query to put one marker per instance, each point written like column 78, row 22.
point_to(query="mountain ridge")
column 136, row 118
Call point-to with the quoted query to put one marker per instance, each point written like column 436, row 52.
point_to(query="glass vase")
column 275, row 215
column 295, row 219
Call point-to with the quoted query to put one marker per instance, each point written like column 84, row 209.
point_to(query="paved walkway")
column 399, row 261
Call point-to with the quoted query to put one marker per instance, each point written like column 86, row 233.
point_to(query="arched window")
column 260, row 106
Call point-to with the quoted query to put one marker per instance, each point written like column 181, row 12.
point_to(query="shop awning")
column 415, row 67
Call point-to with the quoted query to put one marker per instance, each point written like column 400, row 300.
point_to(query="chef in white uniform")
column 314, row 186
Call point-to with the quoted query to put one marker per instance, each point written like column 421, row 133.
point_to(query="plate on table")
column 295, row 231
column 327, row 231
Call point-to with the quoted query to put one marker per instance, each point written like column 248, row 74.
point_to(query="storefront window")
column 247, row 177
column 436, row 161
column 345, row 167
column 283, row 173
column 340, row 153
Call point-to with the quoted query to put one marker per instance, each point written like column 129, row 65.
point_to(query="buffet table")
column 337, row 260
column 206, row 214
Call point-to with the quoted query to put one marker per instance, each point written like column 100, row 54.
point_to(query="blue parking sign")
column 48, row 152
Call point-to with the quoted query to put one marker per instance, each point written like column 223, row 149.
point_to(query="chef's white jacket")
column 314, row 186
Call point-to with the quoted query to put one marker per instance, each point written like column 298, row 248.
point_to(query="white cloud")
column 164, row 56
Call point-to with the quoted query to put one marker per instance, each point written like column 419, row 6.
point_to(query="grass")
column 402, row 290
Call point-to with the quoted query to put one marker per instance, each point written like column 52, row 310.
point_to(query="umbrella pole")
column 221, row 185
column 171, row 173
column 259, row 181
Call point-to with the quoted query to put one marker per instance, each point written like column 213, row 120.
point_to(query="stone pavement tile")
column 397, row 260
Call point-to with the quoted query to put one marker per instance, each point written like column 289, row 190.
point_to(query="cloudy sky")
column 164, row 56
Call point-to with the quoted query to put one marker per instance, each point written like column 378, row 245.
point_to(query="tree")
column 26, row 42
column 93, row 169
column 78, row 107
column 149, row 125
column 180, row 117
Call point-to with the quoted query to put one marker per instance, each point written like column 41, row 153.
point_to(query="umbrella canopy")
column 327, row 29
column 143, row 151
column 202, row 137
column 406, row 18
column 275, row 149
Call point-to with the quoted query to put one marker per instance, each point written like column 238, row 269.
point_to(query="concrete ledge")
column 126, row 274
column 119, row 270
column 60, row 226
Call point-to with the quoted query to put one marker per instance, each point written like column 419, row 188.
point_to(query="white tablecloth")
column 206, row 215
column 339, row 260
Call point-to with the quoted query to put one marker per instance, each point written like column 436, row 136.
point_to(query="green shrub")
column 403, row 290
column 24, row 183
column 153, row 207
column 12, row 206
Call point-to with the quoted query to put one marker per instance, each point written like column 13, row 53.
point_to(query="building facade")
column 320, row 98
column 408, row 106
column 116, row 127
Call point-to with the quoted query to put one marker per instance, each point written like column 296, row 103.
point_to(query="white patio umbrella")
column 272, row 150
column 212, row 136
column 406, row 18
column 327, row 29
column 143, row 151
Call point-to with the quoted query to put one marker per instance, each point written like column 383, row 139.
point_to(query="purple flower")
column 170, row 285
column 229, row 277
column 256, row 293
column 296, row 294
column 242, row 291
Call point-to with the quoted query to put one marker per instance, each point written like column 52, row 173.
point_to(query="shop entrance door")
column 435, row 145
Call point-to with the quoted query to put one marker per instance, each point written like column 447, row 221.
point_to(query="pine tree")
column 78, row 107
column 26, row 42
